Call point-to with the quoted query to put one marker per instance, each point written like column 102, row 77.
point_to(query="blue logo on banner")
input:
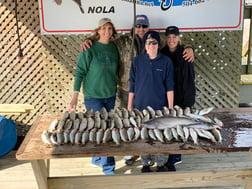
column 166, row 4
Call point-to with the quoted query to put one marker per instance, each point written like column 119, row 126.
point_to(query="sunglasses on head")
column 140, row 25
column 151, row 43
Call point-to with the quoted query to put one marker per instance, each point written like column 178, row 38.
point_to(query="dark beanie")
column 151, row 34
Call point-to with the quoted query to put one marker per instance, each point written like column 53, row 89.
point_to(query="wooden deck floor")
column 15, row 174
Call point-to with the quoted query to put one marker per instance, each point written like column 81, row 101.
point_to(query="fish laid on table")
column 125, row 126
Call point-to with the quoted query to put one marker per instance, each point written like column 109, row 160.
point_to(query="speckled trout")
column 172, row 122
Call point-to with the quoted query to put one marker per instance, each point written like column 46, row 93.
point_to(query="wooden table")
column 237, row 124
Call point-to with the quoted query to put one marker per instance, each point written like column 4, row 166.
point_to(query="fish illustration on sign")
column 78, row 2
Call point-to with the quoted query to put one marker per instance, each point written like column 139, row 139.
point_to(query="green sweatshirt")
column 96, row 69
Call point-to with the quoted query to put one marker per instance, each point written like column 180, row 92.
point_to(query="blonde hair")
column 96, row 35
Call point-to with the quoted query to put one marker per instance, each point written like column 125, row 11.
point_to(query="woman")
column 151, row 84
column 184, row 86
column 96, row 70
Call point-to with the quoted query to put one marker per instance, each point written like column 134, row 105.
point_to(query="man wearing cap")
column 126, row 53
column 151, row 84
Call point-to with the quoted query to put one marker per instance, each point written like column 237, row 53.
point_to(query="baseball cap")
column 172, row 30
column 104, row 21
column 142, row 19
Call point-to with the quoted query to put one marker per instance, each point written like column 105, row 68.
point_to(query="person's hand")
column 86, row 44
column 188, row 55
column 73, row 103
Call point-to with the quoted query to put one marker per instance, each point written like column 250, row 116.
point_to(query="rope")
column 20, row 52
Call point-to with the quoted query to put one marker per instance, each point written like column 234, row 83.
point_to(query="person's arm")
column 73, row 103
column 188, row 53
column 130, row 101
column 86, row 44
column 170, row 98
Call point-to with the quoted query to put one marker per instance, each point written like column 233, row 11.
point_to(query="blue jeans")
column 107, row 163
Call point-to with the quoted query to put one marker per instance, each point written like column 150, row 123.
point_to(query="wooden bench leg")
column 41, row 173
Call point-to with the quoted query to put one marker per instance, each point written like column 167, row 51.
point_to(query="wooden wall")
column 44, row 77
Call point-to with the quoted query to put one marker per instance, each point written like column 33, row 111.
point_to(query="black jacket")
column 184, row 76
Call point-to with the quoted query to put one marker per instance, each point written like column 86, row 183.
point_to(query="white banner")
column 78, row 16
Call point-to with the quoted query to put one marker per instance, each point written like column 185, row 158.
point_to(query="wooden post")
column 41, row 173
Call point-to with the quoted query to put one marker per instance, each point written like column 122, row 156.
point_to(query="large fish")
column 171, row 122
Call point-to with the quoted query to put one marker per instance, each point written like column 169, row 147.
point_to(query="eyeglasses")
column 140, row 25
column 151, row 43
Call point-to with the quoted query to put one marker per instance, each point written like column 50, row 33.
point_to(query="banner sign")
column 78, row 16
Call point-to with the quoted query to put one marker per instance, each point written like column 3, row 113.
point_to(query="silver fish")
column 92, row 135
column 85, row 137
column 126, row 123
column 174, row 133
column 83, row 124
column 187, row 111
column 76, row 124
column 130, row 133
column 72, row 135
column 132, row 113
column 151, row 111
column 166, row 121
column 68, row 124
column 200, row 117
column 99, row 136
column 166, row 111
column 106, row 136
column 77, row 137
column 72, row 115
column 118, row 112
column 181, row 132
column 125, row 113
column 205, row 110
column 158, row 113
column 173, row 112
column 193, row 135
column 138, row 113
column 152, row 134
column 144, row 133
column 132, row 121
column 205, row 134
column 97, row 121
column 103, row 124
column 65, row 115
column 116, row 136
column 80, row 115
column 186, row 132
column 60, row 126
column 66, row 136
column 89, row 113
column 45, row 136
column 159, row 135
column 54, row 139
column 104, row 113
column 111, row 113
column 118, row 121
column 179, row 111
column 53, row 125
column 217, row 135
column 137, row 133
column 168, row 134
column 218, row 122
column 123, row 134
column 90, row 123
column 60, row 137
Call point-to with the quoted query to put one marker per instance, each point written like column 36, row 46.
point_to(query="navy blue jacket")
column 150, row 80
